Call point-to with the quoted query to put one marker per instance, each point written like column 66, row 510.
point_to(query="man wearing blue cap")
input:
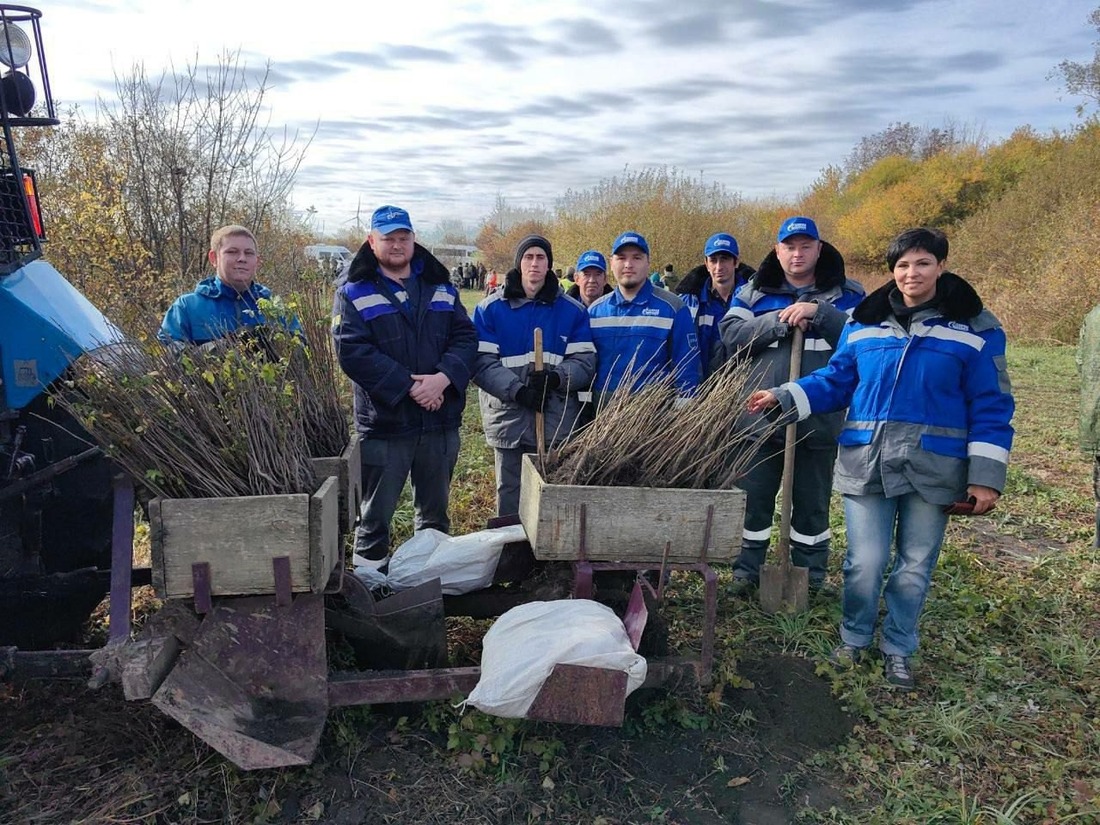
column 405, row 340
column 641, row 330
column 511, row 390
column 708, row 288
column 800, row 283
column 590, row 278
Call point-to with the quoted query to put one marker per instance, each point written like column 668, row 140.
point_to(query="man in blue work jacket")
column 642, row 333
column 708, row 289
column 405, row 340
column 228, row 301
column 512, row 390
column 801, row 283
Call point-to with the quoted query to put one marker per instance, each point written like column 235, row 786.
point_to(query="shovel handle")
column 783, row 548
column 540, row 420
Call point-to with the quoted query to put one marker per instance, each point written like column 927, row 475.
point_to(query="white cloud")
column 440, row 105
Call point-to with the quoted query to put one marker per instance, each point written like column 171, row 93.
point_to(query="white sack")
column 521, row 648
column 461, row 563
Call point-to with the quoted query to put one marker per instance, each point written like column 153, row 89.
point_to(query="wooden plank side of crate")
column 324, row 533
column 628, row 523
column 237, row 536
column 348, row 469
column 353, row 455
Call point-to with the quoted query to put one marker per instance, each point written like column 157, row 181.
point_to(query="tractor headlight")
column 15, row 46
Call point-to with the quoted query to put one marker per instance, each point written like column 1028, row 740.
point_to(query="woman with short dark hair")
column 921, row 369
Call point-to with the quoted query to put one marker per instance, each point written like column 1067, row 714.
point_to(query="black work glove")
column 527, row 397
column 543, row 382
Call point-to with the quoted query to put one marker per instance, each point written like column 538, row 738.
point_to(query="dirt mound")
column 67, row 754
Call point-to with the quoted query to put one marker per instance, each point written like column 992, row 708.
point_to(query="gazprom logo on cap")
column 722, row 242
column 795, row 227
column 625, row 239
column 389, row 216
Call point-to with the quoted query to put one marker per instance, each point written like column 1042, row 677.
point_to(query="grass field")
column 1003, row 728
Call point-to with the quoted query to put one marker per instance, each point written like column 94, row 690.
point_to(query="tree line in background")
column 130, row 199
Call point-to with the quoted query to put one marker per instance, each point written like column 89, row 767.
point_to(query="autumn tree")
column 905, row 140
column 80, row 194
column 1083, row 79
column 195, row 153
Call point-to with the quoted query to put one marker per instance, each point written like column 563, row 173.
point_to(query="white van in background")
column 329, row 257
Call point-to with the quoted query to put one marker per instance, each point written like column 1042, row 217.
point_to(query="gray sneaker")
column 897, row 671
column 845, row 656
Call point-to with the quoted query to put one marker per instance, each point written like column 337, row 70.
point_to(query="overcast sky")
column 439, row 105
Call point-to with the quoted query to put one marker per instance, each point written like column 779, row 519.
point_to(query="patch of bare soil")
column 70, row 755
column 986, row 538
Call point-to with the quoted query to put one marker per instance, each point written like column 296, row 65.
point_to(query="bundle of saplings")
column 239, row 416
column 652, row 438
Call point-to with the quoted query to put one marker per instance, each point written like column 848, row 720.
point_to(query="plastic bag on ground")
column 521, row 648
column 461, row 563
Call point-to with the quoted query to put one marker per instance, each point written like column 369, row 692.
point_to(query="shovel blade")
column 784, row 588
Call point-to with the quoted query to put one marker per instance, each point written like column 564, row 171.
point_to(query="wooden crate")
column 348, row 470
column 239, row 536
column 628, row 524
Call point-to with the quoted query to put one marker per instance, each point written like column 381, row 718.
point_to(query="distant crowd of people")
column 903, row 402
column 469, row 275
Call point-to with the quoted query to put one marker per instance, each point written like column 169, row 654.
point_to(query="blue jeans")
column 874, row 523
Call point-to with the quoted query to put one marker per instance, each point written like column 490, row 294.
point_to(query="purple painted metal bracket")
column 582, row 580
column 122, row 558
column 200, row 579
column 386, row 686
column 280, row 566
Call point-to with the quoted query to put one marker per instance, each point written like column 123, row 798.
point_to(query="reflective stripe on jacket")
column 506, row 321
column 382, row 338
column 650, row 336
column 752, row 329
column 929, row 408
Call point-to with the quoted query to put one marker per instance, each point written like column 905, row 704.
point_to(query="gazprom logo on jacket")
column 651, row 312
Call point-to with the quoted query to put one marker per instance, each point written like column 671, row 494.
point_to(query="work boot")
column 741, row 588
column 823, row 589
column 845, row 656
column 897, row 672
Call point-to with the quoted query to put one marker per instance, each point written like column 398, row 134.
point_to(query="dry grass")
column 241, row 416
column 652, row 438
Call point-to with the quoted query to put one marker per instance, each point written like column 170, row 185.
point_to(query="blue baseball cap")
column 721, row 243
column 591, row 258
column 630, row 239
column 797, row 225
column 387, row 219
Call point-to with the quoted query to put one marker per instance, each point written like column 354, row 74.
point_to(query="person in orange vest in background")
column 492, row 281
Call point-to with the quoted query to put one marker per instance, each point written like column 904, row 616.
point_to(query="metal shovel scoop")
column 783, row 586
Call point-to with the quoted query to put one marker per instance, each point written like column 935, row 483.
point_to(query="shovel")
column 782, row 586
column 540, row 421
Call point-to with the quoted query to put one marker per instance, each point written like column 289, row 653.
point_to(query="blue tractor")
column 55, row 485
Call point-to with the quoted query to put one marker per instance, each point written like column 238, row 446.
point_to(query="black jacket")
column 381, row 343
